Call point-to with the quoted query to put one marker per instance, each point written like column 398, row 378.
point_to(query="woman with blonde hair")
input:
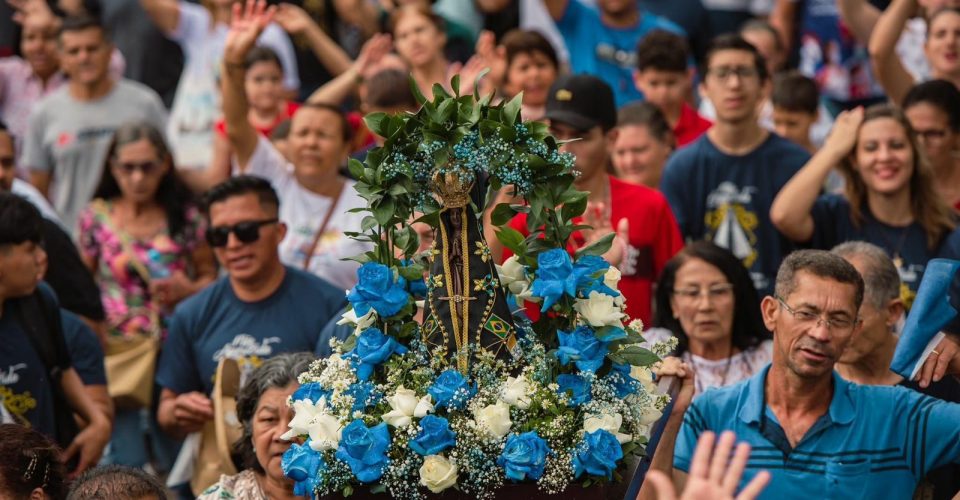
column 890, row 199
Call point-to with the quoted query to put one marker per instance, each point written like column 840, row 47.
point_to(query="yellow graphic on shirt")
column 17, row 404
column 730, row 223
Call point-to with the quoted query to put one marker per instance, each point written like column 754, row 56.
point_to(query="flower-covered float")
column 445, row 385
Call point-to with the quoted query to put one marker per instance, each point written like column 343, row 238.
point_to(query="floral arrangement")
column 389, row 412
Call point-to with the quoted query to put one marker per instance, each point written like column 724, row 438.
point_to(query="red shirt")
column 654, row 239
column 221, row 126
column 690, row 126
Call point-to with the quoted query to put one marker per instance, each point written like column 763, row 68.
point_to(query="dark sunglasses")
column 246, row 232
column 145, row 168
column 6, row 161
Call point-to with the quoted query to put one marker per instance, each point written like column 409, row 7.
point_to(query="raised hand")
column 293, row 19
column 843, row 136
column 713, row 474
column 945, row 355
column 372, row 52
column 246, row 25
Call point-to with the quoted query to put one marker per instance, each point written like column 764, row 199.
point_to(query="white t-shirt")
column 719, row 372
column 196, row 106
column 303, row 211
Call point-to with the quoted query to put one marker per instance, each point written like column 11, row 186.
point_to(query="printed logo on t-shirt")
column 16, row 406
column 730, row 221
column 248, row 351
column 10, row 375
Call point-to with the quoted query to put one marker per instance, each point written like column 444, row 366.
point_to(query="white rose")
column 362, row 322
column 599, row 309
column 437, row 473
column 650, row 415
column 612, row 277
column 324, row 430
column 495, row 419
column 405, row 404
column 303, row 413
column 513, row 276
column 644, row 375
column 607, row 422
column 515, row 392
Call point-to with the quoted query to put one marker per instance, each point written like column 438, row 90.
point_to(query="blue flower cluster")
column 377, row 289
column 304, row 466
column 621, row 381
column 557, row 275
column 364, row 394
column 524, row 456
column 576, row 386
column 451, row 390
column 372, row 349
column 364, row 449
column 435, row 436
column 583, row 348
column 311, row 391
column 597, row 455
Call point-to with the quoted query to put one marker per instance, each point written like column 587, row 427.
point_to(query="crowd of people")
column 175, row 207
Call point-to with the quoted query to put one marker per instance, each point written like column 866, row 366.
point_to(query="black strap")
column 41, row 320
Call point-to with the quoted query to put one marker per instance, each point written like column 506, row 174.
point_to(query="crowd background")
column 178, row 182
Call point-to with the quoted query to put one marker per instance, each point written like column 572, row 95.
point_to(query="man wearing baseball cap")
column 580, row 109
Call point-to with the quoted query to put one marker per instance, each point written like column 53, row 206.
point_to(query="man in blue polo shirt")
column 818, row 435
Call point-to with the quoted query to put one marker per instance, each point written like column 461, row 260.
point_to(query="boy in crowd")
column 664, row 77
column 721, row 186
column 795, row 102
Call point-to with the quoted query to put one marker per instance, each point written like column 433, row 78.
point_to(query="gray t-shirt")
column 69, row 139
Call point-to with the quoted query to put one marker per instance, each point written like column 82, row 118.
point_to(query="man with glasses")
column 260, row 309
column 722, row 185
column 818, row 435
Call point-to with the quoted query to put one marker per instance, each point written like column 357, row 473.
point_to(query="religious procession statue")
column 447, row 387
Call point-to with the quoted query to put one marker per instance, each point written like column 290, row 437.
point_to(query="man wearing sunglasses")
column 260, row 309
column 818, row 435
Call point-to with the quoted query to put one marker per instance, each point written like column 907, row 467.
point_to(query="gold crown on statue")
column 452, row 189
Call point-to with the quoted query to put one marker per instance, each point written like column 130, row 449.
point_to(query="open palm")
column 246, row 25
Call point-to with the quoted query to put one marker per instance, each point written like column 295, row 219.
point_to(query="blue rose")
column 577, row 386
column 376, row 288
column 364, row 449
column 597, row 455
column 582, row 347
column 304, row 466
column 619, row 377
column 373, row 348
column 555, row 277
column 311, row 391
column 364, row 394
column 593, row 269
column 435, row 436
column 524, row 456
column 451, row 390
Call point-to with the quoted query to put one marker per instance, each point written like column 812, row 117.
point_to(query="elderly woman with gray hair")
column 866, row 360
column 262, row 409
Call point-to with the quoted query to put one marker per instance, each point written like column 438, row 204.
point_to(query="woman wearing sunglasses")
column 142, row 237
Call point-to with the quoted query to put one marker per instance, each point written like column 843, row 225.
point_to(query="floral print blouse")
column 242, row 486
column 125, row 294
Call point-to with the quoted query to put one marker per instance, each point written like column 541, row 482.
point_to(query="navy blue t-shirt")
column 215, row 323
column 726, row 199
column 25, row 388
column 833, row 225
column 86, row 354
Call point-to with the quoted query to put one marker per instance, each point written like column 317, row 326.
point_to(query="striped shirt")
column 873, row 442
